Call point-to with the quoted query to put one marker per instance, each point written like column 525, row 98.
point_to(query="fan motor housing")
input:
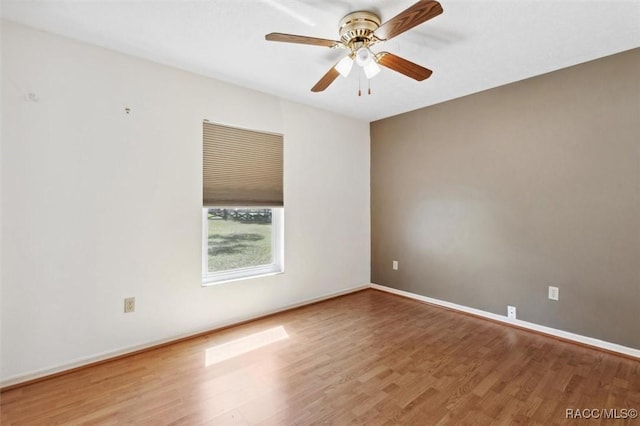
column 358, row 27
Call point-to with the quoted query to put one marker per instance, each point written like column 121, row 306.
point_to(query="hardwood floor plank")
column 366, row 358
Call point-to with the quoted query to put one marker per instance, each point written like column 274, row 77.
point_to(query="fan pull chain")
column 359, row 83
column 369, row 86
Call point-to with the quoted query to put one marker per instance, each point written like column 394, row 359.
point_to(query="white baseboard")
column 81, row 362
column 590, row 341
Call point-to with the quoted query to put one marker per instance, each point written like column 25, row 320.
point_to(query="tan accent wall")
column 487, row 200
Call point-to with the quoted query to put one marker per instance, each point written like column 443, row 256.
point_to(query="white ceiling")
column 472, row 46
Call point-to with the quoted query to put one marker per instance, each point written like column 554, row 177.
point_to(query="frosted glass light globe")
column 364, row 56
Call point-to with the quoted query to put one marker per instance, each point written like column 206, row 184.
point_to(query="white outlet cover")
column 554, row 293
column 511, row 312
column 395, row 265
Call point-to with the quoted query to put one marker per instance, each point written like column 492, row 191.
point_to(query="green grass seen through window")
column 233, row 244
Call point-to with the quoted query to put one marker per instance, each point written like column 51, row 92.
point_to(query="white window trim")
column 277, row 251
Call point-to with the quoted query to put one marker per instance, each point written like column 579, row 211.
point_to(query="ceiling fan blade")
column 326, row 80
column 403, row 66
column 414, row 15
column 291, row 38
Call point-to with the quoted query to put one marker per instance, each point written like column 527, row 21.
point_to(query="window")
column 242, row 215
column 240, row 243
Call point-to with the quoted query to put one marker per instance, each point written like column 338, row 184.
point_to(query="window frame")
column 277, row 251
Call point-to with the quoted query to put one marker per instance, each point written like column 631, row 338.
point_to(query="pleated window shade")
column 241, row 167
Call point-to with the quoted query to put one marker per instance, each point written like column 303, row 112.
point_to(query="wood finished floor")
column 366, row 358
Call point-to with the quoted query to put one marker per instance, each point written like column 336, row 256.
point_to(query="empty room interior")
column 286, row 212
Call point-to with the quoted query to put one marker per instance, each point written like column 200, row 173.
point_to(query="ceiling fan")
column 361, row 30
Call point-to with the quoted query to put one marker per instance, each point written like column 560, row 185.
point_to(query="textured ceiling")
column 472, row 46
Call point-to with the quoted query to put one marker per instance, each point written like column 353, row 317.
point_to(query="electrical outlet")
column 511, row 312
column 554, row 293
column 395, row 265
column 129, row 305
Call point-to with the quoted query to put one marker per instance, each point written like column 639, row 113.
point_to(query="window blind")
column 241, row 167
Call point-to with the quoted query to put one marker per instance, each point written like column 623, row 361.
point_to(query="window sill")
column 210, row 280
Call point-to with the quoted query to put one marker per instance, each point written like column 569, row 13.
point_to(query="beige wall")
column 489, row 199
column 99, row 205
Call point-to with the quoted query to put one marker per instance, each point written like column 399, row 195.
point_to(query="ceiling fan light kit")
column 344, row 66
column 364, row 56
column 371, row 69
column 361, row 30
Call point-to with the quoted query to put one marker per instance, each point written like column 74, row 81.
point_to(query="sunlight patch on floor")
column 240, row 346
